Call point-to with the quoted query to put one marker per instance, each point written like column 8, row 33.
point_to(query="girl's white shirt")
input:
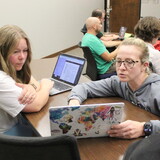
column 154, row 57
column 9, row 104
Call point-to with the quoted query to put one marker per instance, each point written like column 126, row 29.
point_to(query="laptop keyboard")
column 60, row 86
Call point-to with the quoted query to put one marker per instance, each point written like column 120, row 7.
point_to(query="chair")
column 111, row 49
column 38, row 148
column 91, row 69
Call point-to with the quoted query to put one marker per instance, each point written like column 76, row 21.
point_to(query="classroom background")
column 54, row 25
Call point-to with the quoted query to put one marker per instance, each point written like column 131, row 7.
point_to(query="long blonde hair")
column 10, row 35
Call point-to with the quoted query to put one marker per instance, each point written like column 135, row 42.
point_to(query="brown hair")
column 10, row 35
column 147, row 28
column 97, row 13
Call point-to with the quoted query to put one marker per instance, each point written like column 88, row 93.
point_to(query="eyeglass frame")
column 126, row 62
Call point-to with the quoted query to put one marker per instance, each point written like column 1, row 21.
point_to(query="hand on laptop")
column 74, row 102
column 47, row 83
column 127, row 130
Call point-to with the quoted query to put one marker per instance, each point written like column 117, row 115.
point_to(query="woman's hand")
column 74, row 102
column 47, row 84
column 28, row 93
column 128, row 130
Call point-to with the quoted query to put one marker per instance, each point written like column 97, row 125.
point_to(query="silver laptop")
column 122, row 32
column 89, row 120
column 66, row 73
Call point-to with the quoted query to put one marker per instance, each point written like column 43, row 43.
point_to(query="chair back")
column 38, row 148
column 91, row 69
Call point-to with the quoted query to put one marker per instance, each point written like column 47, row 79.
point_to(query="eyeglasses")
column 127, row 63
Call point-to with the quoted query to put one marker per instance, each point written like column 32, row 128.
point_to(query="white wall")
column 52, row 25
column 150, row 8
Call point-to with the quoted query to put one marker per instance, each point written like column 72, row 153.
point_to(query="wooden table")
column 105, row 148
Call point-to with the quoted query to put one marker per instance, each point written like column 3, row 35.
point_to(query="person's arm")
column 10, row 92
column 109, row 37
column 132, row 129
column 155, row 126
column 105, row 38
column 111, row 43
column 99, row 48
column 109, row 56
column 127, row 130
column 74, row 102
column 34, row 83
column 42, row 96
column 29, row 91
column 101, row 88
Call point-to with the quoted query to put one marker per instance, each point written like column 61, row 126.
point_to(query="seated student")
column 107, row 39
column 148, row 29
column 133, row 83
column 19, row 91
column 104, row 59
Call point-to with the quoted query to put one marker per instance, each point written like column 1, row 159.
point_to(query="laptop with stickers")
column 89, row 120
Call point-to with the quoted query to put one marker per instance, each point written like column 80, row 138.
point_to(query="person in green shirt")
column 104, row 59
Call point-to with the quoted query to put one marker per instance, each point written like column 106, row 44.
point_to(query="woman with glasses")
column 133, row 82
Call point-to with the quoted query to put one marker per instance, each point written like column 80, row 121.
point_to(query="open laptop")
column 89, row 120
column 66, row 73
column 122, row 32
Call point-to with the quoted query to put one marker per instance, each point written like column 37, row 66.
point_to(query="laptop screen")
column 68, row 69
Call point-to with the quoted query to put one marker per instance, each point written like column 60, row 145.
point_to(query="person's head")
column 100, row 14
column 15, row 53
column 93, row 24
column 132, row 60
column 148, row 29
